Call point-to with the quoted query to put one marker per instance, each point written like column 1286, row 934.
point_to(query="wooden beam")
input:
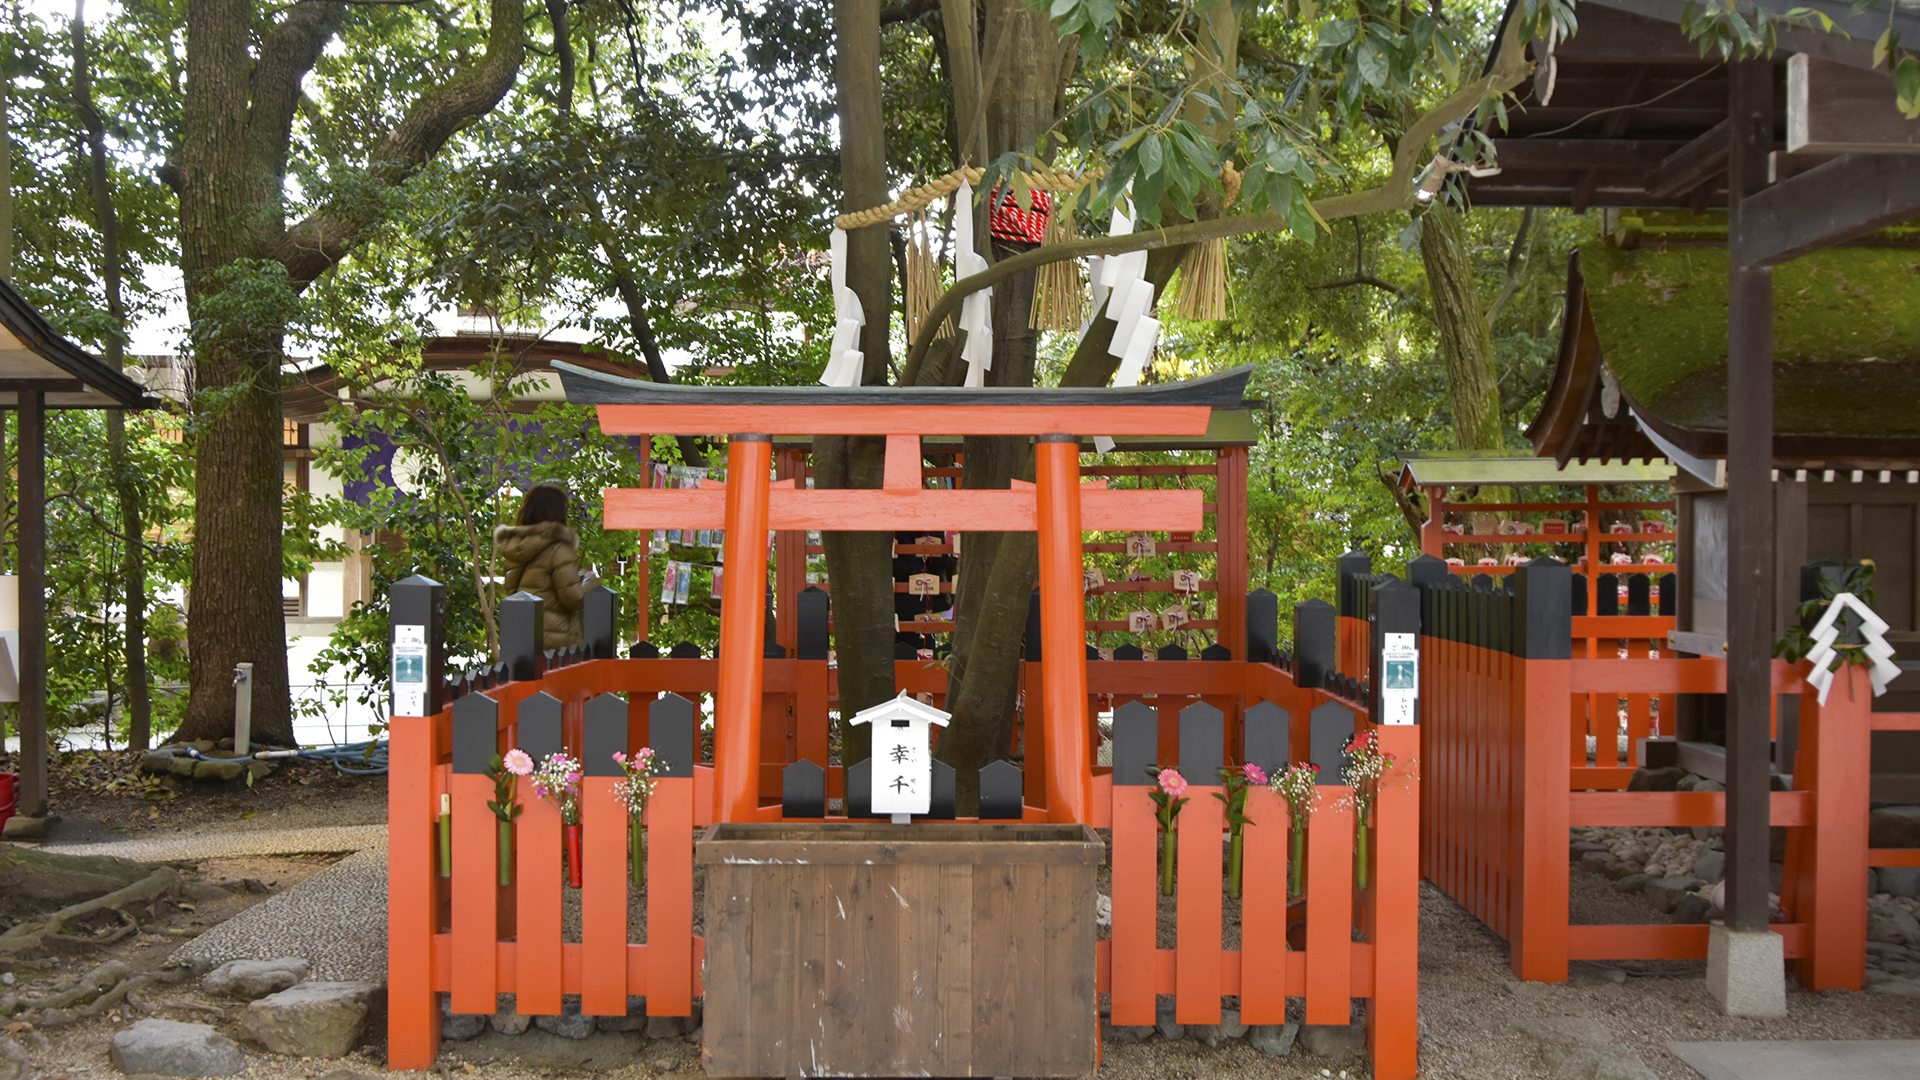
column 1840, row 109
column 1616, row 155
column 1830, row 204
column 43, row 386
column 888, row 509
column 1612, row 127
column 905, row 419
column 1692, row 165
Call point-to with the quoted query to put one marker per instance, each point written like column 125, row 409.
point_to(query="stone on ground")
column 1888, row 921
column 673, row 1027
column 1171, row 1029
column 1692, row 908
column 1229, row 1027
column 510, row 1023
column 13, row 1059
column 1666, row 892
column 316, row 1019
column 1333, row 1040
column 1576, row 1048
column 1109, row 1033
column 458, row 1027
column 1662, row 779
column 1894, row 826
column 1901, row 881
column 635, row 1020
column 570, row 1024
column 1710, row 865
column 250, row 980
column 170, row 1048
column 1273, row 1040
column 1632, row 883
column 1897, row 986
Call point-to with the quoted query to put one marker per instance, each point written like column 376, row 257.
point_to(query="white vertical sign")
column 409, row 670
column 902, row 762
column 1399, row 677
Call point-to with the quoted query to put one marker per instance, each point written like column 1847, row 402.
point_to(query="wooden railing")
column 1507, row 780
column 469, row 937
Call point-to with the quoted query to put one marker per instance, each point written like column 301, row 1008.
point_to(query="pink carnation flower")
column 1254, row 773
column 517, row 762
column 1172, row 783
column 620, row 756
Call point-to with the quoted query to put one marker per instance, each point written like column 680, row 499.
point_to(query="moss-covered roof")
column 1846, row 337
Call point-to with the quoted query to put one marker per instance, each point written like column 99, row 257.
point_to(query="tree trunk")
column 125, row 483
column 1466, row 341
column 860, row 564
column 243, row 268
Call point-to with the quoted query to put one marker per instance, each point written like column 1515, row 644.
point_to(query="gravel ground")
column 217, row 845
column 336, row 919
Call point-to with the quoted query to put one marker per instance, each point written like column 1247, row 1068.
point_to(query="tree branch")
column 1360, row 279
column 1516, row 253
column 287, row 53
column 1397, row 193
column 321, row 239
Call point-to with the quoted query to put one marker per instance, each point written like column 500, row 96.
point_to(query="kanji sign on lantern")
column 902, row 768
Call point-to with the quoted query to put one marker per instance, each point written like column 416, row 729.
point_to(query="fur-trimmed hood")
column 519, row 544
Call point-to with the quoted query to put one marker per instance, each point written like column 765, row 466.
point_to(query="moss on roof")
column 1846, row 336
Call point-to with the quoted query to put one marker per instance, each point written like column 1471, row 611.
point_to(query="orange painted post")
column 476, row 931
column 1263, row 938
column 1537, row 859
column 670, row 894
column 1135, row 907
column 1393, row 1016
column 736, row 727
column 1432, row 537
column 603, row 843
column 1063, row 630
column 1199, row 892
column 1330, row 907
column 1230, row 556
column 536, row 963
column 413, row 1009
column 1835, row 764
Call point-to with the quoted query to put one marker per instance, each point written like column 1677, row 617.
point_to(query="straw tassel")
column 1203, row 271
column 1059, row 301
column 923, row 274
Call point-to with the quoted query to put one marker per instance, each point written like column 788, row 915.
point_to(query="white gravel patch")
column 223, row 845
column 336, row 920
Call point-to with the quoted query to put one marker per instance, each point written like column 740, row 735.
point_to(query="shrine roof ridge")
column 1221, row 390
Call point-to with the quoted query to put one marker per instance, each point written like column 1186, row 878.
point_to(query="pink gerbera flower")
column 1254, row 773
column 517, row 762
column 1173, row 783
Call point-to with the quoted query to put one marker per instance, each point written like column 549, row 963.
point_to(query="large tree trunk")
column 1466, row 341
column 243, row 267
column 998, row 570
column 859, row 565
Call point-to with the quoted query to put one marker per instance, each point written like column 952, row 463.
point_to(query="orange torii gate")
column 1057, row 505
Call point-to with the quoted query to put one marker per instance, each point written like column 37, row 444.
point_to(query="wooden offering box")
column 900, row 950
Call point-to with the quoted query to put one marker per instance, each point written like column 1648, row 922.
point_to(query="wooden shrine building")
column 1804, row 151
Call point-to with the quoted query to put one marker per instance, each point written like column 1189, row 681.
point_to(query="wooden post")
column 789, row 557
column 1230, row 555
column 413, row 1009
column 1393, row 1016
column 32, row 539
column 1830, row 892
column 643, row 557
column 1749, row 511
column 1063, row 629
column 1537, row 860
column 1433, row 538
column 736, row 711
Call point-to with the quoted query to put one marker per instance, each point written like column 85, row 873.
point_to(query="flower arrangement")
column 557, row 780
column 503, row 770
column 1237, row 782
column 1295, row 785
column 1366, row 766
column 1169, row 795
column 635, row 788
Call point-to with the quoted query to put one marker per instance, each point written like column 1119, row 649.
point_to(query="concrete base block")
column 1746, row 971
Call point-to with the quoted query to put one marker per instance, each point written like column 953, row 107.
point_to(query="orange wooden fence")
column 473, row 939
column 1505, row 783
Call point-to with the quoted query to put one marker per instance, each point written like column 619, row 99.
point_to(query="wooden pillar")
column 643, row 559
column 1749, row 511
column 1537, row 858
column 789, row 558
column 736, row 711
column 413, row 1008
column 1230, row 553
column 1433, row 538
column 1830, row 857
column 32, row 532
column 1063, row 629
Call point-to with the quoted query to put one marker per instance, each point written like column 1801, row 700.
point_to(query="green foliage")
column 1840, row 576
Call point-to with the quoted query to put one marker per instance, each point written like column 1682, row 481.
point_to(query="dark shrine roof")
column 33, row 352
column 1645, row 337
column 1630, row 107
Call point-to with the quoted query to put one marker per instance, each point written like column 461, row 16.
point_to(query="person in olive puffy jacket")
column 540, row 555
